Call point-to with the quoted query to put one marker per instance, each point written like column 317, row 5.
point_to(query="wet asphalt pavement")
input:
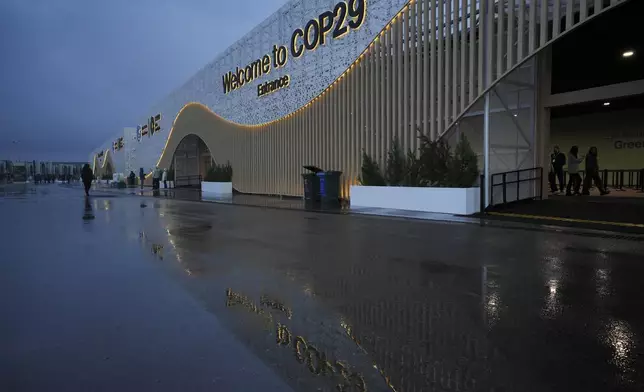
column 169, row 295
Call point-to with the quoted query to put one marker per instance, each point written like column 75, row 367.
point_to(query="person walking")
column 87, row 175
column 164, row 178
column 557, row 162
column 574, row 181
column 156, row 178
column 141, row 177
column 592, row 174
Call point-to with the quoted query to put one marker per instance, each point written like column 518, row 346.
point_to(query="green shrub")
column 433, row 165
column 220, row 173
column 464, row 168
column 396, row 165
column 412, row 170
column 370, row 174
column 435, row 160
column 121, row 185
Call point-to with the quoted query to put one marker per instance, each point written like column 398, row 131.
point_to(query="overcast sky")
column 73, row 73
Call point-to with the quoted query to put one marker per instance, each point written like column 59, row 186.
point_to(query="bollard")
column 482, row 193
column 505, row 198
column 541, row 183
column 604, row 177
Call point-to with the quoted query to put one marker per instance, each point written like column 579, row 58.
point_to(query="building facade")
column 320, row 81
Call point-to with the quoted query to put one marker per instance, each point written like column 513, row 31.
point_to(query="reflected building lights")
column 620, row 339
column 552, row 307
column 349, row 331
column 492, row 302
column 602, row 282
column 492, row 306
column 553, row 285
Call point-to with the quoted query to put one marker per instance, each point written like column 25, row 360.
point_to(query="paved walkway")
column 161, row 294
column 85, row 307
column 607, row 213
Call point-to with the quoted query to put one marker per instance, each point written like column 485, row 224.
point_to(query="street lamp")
column 628, row 53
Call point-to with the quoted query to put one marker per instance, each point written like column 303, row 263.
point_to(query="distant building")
column 21, row 170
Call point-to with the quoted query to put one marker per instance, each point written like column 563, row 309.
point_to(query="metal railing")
column 188, row 181
column 516, row 185
column 618, row 179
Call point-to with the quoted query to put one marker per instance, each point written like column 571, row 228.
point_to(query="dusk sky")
column 76, row 72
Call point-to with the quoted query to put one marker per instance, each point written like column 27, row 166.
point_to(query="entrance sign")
column 620, row 144
column 271, row 87
column 316, row 30
column 149, row 129
column 346, row 16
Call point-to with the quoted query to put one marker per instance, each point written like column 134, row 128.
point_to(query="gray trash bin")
column 311, row 184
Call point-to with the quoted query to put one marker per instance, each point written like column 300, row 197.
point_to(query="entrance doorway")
column 595, row 100
column 615, row 128
column 192, row 160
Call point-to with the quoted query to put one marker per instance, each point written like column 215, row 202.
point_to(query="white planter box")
column 217, row 188
column 459, row 201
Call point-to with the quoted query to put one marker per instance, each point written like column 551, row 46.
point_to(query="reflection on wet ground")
column 189, row 194
column 17, row 190
column 420, row 306
column 351, row 303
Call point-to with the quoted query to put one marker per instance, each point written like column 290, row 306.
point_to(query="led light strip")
column 311, row 102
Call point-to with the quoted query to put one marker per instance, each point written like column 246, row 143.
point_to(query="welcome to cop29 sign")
column 345, row 17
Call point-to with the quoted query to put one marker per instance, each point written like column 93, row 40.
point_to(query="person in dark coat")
column 87, row 175
column 557, row 163
column 592, row 174
column 141, row 177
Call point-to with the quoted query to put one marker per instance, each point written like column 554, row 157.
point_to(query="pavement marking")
column 572, row 220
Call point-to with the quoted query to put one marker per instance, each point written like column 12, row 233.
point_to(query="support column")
column 486, row 149
column 542, row 114
column 485, row 55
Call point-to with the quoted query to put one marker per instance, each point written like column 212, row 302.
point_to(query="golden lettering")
column 277, row 305
column 300, row 348
column 283, row 335
column 305, row 352
column 313, row 360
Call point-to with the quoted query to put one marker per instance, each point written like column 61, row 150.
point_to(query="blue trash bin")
column 330, row 187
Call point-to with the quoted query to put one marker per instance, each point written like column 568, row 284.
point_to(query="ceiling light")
column 606, row 103
column 628, row 53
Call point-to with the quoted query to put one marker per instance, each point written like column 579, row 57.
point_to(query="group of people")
column 159, row 175
column 591, row 171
